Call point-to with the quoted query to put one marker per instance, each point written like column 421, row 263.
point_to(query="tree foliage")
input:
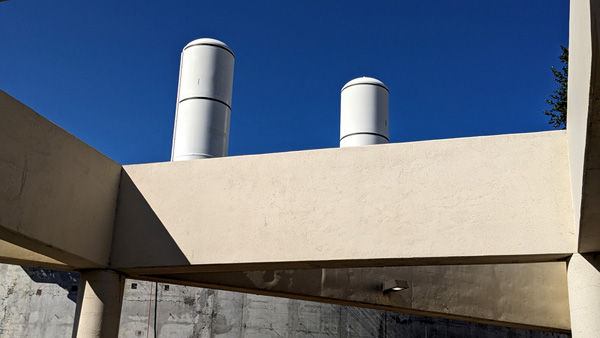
column 558, row 100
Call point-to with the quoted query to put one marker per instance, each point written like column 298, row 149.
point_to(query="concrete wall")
column 24, row 313
column 195, row 312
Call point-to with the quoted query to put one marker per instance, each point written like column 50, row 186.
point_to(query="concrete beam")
column 57, row 195
column 583, row 120
column 532, row 296
column 13, row 254
column 473, row 200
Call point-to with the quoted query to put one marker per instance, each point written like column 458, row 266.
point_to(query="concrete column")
column 583, row 276
column 98, row 311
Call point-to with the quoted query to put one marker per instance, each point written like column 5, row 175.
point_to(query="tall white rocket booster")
column 364, row 113
column 203, row 101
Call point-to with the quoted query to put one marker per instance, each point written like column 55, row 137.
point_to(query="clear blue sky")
column 106, row 71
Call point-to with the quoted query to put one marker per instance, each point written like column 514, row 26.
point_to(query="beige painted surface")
column 580, row 58
column 587, row 133
column 57, row 194
column 583, row 120
column 99, row 301
column 13, row 254
column 520, row 295
column 503, row 195
column 584, row 295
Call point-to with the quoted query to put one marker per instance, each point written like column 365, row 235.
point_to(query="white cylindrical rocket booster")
column 364, row 113
column 203, row 101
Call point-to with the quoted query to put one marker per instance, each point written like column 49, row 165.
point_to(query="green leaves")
column 558, row 100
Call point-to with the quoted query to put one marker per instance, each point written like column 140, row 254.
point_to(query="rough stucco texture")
column 56, row 193
column 586, row 125
column 482, row 196
column 584, row 295
column 580, row 57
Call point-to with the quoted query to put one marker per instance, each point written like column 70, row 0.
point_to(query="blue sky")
column 106, row 71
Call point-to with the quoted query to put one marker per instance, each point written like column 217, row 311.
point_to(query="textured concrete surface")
column 467, row 200
column 584, row 294
column 99, row 303
column 25, row 313
column 584, row 121
column 506, row 195
column 578, row 96
column 181, row 311
column 57, row 195
column 510, row 293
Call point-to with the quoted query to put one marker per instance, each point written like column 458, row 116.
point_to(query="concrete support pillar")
column 98, row 311
column 583, row 276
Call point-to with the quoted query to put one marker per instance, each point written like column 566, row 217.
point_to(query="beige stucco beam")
column 57, row 195
column 14, row 254
column 583, row 120
column 532, row 296
column 503, row 198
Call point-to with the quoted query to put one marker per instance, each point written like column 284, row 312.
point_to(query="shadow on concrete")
column 589, row 231
column 66, row 280
column 593, row 259
column 437, row 291
column 139, row 237
column 350, row 285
